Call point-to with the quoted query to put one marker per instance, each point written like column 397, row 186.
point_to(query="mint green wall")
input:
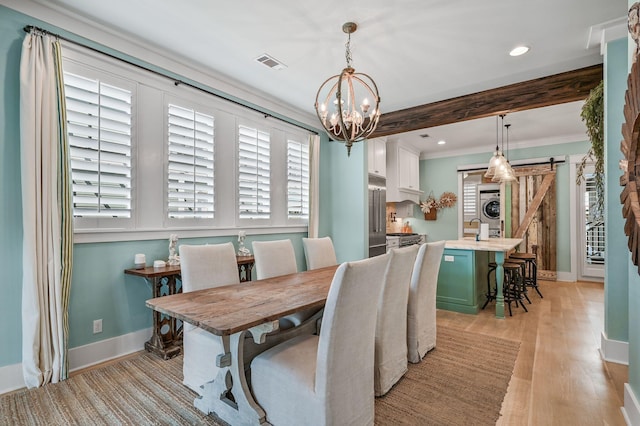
column 616, row 323
column 10, row 197
column 439, row 175
column 345, row 217
column 99, row 287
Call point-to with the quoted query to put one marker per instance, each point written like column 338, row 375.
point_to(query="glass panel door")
column 591, row 230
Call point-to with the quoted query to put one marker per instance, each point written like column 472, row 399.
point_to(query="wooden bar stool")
column 531, row 270
column 513, row 286
column 523, row 270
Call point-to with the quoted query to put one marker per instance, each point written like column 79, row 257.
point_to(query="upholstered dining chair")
column 327, row 379
column 421, row 312
column 319, row 252
column 391, row 324
column 204, row 266
column 275, row 258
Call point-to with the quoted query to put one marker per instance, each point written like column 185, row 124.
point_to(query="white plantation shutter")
column 99, row 126
column 254, row 173
column 297, row 180
column 469, row 201
column 190, row 163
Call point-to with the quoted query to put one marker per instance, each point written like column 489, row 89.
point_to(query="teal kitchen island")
column 462, row 281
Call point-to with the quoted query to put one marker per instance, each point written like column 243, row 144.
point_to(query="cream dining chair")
column 204, row 266
column 421, row 312
column 391, row 323
column 275, row 258
column 319, row 252
column 327, row 379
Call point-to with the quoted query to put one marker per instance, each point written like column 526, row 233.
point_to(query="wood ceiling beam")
column 555, row 89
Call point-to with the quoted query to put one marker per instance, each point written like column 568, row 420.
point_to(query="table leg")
column 167, row 333
column 228, row 395
column 499, row 284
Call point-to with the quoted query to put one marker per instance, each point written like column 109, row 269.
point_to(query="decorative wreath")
column 630, row 166
column 447, row 200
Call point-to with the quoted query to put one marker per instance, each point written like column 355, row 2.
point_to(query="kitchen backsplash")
column 393, row 224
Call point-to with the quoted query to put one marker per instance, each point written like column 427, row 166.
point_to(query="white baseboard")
column 104, row 350
column 631, row 409
column 566, row 276
column 614, row 350
column 11, row 377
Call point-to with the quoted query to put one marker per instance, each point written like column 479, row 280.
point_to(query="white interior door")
column 591, row 230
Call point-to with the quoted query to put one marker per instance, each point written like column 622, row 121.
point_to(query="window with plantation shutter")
column 99, row 127
column 190, row 164
column 254, row 173
column 150, row 158
column 297, row 180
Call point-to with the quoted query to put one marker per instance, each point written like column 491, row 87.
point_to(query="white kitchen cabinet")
column 408, row 165
column 377, row 151
column 403, row 173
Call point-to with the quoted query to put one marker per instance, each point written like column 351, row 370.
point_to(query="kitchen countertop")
column 492, row 244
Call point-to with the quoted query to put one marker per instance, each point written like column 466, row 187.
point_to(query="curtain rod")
column 177, row 82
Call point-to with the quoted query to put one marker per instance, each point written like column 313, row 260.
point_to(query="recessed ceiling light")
column 441, row 142
column 519, row 50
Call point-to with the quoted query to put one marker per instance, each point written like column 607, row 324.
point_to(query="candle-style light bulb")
column 365, row 105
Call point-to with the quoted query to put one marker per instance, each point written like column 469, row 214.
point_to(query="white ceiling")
column 417, row 51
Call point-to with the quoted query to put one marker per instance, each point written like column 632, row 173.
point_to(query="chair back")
column 319, row 252
column 206, row 266
column 344, row 367
column 274, row 258
column 421, row 312
column 391, row 323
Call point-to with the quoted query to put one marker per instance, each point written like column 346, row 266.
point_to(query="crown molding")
column 605, row 32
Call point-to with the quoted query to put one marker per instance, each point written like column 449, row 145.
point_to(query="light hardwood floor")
column 559, row 377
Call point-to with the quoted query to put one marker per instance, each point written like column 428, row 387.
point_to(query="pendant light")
column 504, row 172
column 497, row 158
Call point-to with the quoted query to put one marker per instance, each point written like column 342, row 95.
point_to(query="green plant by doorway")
column 593, row 116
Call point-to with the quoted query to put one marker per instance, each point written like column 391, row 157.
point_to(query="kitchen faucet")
column 479, row 223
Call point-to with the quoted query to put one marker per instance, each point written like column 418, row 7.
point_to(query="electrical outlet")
column 97, row 326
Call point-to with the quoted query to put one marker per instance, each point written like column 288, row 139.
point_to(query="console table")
column 166, row 339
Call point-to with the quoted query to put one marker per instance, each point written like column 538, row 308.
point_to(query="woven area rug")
column 461, row 382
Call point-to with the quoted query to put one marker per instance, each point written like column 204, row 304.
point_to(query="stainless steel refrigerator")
column 377, row 216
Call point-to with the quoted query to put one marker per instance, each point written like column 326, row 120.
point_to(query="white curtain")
column 46, row 212
column 314, row 185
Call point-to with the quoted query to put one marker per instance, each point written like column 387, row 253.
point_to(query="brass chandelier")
column 347, row 104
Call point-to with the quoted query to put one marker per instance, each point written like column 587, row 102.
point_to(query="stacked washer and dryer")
column 489, row 203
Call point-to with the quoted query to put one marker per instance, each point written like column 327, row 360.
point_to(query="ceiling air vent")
column 270, row 61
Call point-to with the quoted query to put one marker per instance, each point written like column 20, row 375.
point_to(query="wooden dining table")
column 233, row 310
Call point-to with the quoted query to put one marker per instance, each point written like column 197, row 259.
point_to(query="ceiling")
column 417, row 51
